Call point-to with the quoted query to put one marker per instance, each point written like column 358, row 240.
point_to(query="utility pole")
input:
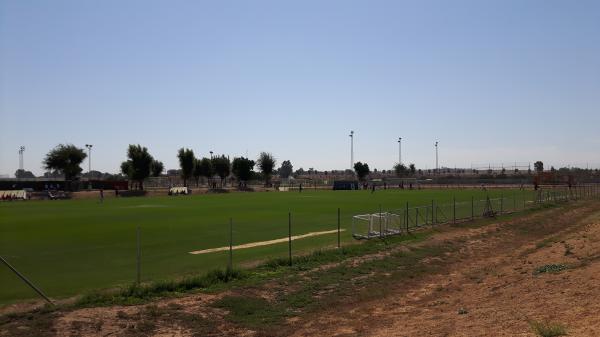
column 436, row 158
column 21, row 150
column 400, row 150
column 89, row 147
column 351, row 150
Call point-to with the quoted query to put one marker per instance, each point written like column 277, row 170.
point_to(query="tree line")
column 66, row 159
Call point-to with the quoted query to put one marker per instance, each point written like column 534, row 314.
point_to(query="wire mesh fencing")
column 408, row 218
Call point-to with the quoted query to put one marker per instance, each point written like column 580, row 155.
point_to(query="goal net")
column 366, row 226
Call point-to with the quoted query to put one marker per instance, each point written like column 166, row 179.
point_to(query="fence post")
column 290, row 236
column 230, row 265
column 139, row 257
column 432, row 210
column 406, row 217
column 416, row 216
column 380, row 227
column 514, row 201
column 338, row 223
column 472, row 208
column 24, row 279
column 454, row 210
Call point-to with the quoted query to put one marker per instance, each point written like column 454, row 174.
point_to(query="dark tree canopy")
column 24, row 174
column 286, row 169
column 362, row 170
column 197, row 173
column 186, row 162
column 399, row 169
column 538, row 166
column 157, row 168
column 204, row 168
column 242, row 168
column 222, row 167
column 65, row 158
column 138, row 165
column 266, row 163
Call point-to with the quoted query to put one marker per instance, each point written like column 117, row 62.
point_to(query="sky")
column 492, row 81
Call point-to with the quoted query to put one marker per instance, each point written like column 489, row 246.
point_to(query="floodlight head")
column 351, row 133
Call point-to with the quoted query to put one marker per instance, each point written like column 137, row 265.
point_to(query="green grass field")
column 71, row 246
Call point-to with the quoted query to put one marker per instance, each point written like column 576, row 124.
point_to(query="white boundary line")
column 263, row 243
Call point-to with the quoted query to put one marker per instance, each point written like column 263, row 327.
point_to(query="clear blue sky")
column 493, row 81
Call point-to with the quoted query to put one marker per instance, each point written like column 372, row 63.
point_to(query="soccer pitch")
column 70, row 246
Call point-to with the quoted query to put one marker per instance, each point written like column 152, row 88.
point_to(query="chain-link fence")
column 408, row 218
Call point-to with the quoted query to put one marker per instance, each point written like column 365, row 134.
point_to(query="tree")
column 186, row 162
column 65, row 158
column 266, row 163
column 157, row 168
column 24, row 174
column 242, row 169
column 286, row 169
column 205, row 168
column 400, row 170
column 412, row 168
column 362, row 170
column 538, row 166
column 222, row 167
column 197, row 173
column 138, row 165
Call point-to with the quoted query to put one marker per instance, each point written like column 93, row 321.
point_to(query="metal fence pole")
column 380, row 228
column 454, row 210
column 139, row 257
column 230, row 265
column 406, row 217
column 24, row 279
column 416, row 216
column 472, row 208
column 290, row 237
column 432, row 210
column 338, row 223
column 514, row 201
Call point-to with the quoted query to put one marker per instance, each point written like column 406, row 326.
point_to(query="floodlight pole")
column 436, row 158
column 21, row 150
column 400, row 150
column 89, row 147
column 351, row 150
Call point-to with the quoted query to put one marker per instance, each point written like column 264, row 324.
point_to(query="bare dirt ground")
column 492, row 284
column 491, row 288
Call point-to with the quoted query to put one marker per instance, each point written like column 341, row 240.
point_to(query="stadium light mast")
column 21, row 150
column 436, row 158
column 89, row 147
column 399, row 150
column 351, row 150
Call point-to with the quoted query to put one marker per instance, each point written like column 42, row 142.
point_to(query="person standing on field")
column 101, row 196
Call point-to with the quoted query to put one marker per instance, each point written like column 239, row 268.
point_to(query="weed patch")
column 547, row 329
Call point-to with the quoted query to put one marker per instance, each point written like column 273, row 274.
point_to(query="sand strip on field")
column 264, row 243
